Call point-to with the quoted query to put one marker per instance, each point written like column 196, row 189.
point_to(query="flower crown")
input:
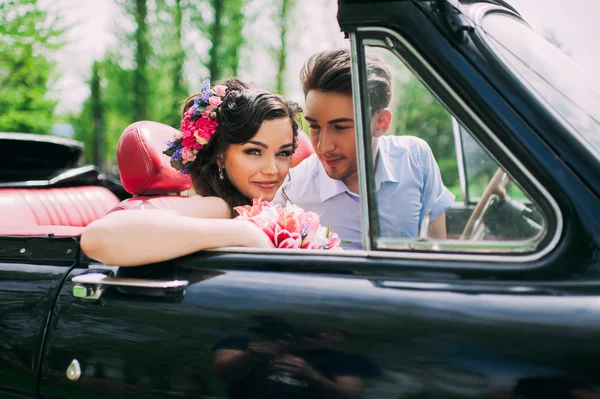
column 197, row 127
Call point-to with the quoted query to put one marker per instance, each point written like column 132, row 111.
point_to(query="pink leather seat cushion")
column 72, row 206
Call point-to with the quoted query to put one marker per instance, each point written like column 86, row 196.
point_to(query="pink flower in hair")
column 207, row 111
column 190, row 141
column 220, row 90
column 188, row 154
column 215, row 101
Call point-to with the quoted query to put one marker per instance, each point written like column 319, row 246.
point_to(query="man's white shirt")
column 407, row 182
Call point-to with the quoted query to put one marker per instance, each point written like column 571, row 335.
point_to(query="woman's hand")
column 255, row 237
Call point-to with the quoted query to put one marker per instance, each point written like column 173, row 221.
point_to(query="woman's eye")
column 285, row 154
column 252, row 151
column 314, row 127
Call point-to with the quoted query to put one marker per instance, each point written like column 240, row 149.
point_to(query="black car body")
column 424, row 322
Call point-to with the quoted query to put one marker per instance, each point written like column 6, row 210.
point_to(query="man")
column 407, row 178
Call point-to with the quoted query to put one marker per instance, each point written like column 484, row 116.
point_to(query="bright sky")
column 95, row 21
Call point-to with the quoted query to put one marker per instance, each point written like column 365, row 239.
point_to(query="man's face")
column 331, row 119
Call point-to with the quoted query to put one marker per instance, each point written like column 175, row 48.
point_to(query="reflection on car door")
column 30, row 277
column 241, row 332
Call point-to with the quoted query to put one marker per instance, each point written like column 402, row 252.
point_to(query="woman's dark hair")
column 240, row 115
column 329, row 71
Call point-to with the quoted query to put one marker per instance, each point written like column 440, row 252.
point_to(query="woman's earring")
column 221, row 174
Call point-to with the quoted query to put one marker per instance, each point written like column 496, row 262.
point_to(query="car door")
column 31, row 272
column 408, row 334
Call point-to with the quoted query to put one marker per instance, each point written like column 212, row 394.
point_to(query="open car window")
column 428, row 168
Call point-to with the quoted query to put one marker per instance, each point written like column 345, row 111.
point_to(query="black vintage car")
column 507, row 307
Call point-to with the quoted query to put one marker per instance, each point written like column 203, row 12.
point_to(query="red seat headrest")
column 143, row 168
column 304, row 149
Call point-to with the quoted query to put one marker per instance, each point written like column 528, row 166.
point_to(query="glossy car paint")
column 28, row 289
column 445, row 328
column 428, row 340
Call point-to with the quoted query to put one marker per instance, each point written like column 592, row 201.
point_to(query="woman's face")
column 261, row 164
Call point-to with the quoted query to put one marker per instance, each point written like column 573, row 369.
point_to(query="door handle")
column 92, row 284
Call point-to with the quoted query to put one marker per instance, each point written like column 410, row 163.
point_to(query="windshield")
column 553, row 76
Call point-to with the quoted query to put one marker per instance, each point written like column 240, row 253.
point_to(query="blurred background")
column 85, row 69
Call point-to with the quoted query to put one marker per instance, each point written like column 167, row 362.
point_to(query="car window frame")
column 366, row 36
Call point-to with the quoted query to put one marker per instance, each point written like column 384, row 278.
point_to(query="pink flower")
column 220, row 90
column 177, row 135
column 311, row 218
column 190, row 141
column 188, row 154
column 207, row 111
column 188, row 126
column 288, row 227
column 214, row 101
column 334, row 240
column 205, row 128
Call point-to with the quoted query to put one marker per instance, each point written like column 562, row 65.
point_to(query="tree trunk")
column 282, row 54
column 97, row 118
column 140, row 74
column 179, row 91
column 216, row 38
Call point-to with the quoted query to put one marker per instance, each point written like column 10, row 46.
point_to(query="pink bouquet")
column 289, row 226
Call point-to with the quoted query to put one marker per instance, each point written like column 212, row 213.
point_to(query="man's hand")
column 295, row 365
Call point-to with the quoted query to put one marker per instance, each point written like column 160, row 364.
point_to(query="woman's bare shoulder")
column 203, row 207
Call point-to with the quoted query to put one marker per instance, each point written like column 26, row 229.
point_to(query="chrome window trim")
column 553, row 205
column 360, row 145
column 460, row 160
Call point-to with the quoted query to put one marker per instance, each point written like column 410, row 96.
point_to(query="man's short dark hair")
column 329, row 71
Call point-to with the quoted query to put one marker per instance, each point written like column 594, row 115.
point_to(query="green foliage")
column 225, row 36
column 283, row 22
column 28, row 36
column 418, row 113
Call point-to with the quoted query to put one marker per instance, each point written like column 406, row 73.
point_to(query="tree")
column 420, row 114
column 142, row 50
column 28, row 37
column 97, row 116
column 225, row 35
column 285, row 11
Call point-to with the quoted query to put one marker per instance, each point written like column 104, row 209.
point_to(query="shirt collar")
column 384, row 169
column 329, row 187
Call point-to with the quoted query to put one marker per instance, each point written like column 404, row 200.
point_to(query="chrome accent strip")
column 45, row 183
column 559, row 219
column 360, row 145
column 103, row 279
column 41, row 138
column 460, row 160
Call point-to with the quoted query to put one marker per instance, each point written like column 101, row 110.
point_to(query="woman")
column 236, row 144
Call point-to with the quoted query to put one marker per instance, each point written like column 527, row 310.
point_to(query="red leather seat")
column 72, row 206
column 145, row 171
column 304, row 150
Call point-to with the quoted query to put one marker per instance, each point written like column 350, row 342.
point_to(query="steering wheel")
column 495, row 190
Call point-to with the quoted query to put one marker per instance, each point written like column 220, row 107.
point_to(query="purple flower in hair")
column 206, row 91
column 177, row 155
column 184, row 170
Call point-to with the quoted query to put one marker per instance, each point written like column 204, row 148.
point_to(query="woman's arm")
column 129, row 238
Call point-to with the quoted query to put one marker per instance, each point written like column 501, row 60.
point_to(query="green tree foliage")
column 226, row 39
column 283, row 23
column 418, row 113
column 142, row 52
column 28, row 37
